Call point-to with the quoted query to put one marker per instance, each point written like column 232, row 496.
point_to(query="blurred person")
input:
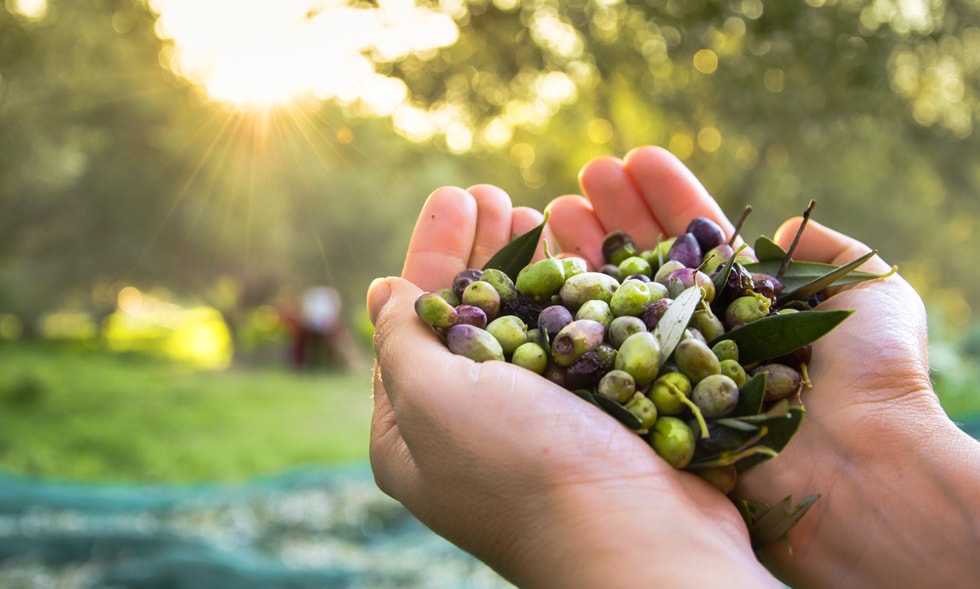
column 318, row 332
column 551, row 492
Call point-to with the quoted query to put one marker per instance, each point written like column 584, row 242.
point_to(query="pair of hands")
column 550, row 491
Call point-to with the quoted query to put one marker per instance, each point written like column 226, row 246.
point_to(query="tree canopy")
column 116, row 168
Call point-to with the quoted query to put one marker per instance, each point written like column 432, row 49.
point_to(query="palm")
column 439, row 412
column 873, row 364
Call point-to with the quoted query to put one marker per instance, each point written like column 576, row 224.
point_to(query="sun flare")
column 260, row 54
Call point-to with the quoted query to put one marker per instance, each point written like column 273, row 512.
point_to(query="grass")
column 88, row 415
column 76, row 414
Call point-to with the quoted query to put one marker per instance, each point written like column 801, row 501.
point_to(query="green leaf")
column 517, row 254
column 621, row 413
column 720, row 278
column 798, row 273
column 776, row 335
column 781, row 430
column 670, row 329
column 768, row 525
column 821, row 283
column 586, row 395
column 767, row 250
column 751, row 396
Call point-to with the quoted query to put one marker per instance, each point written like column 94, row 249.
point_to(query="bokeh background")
column 179, row 179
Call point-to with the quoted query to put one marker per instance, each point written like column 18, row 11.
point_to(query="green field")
column 90, row 415
column 69, row 413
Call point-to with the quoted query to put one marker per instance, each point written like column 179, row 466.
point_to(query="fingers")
column 459, row 229
column 442, row 240
column 493, row 223
column 822, row 244
column 576, row 228
column 618, row 202
column 650, row 195
column 671, row 191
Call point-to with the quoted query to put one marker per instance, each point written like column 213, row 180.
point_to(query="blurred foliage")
column 115, row 171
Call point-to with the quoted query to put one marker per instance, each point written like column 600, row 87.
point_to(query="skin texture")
column 551, row 492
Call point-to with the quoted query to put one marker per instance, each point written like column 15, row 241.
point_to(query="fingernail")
column 377, row 297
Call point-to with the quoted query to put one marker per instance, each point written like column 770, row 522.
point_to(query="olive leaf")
column 750, row 396
column 720, row 278
column 512, row 258
column 813, row 287
column 725, row 457
column 621, row 413
column 586, row 395
column 768, row 524
column 799, row 274
column 780, row 429
column 777, row 335
column 670, row 329
column 767, row 250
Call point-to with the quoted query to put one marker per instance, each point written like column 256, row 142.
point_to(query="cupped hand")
column 541, row 485
column 874, row 440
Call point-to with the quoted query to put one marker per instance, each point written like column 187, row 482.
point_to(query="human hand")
column 874, row 442
column 544, row 487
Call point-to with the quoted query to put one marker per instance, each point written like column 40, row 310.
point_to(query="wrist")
column 640, row 533
column 906, row 497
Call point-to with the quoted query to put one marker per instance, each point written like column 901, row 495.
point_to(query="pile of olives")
column 643, row 337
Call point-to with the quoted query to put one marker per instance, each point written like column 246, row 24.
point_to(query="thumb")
column 378, row 295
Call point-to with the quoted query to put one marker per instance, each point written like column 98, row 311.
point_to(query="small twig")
column 796, row 240
column 738, row 226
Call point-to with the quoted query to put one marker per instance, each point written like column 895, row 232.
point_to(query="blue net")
column 308, row 529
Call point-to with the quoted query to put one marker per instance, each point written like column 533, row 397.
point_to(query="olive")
column 617, row 385
column 509, row 330
column 746, row 309
column 639, row 355
column 726, row 349
column 532, row 356
column 476, row 344
column 643, row 409
column 575, row 339
column 502, row 282
column 652, row 314
column 622, row 327
column 707, row 232
column 781, row 380
column 667, row 391
column 472, row 315
column 715, row 395
column 617, row 246
column 696, row 360
column 685, row 250
column 673, row 440
column 483, row 295
column 597, row 310
column 715, row 257
column 542, row 279
column 635, row 265
column 464, row 278
column 553, row 318
column 733, row 370
column 585, row 287
column 574, row 265
column 631, row 298
column 435, row 310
